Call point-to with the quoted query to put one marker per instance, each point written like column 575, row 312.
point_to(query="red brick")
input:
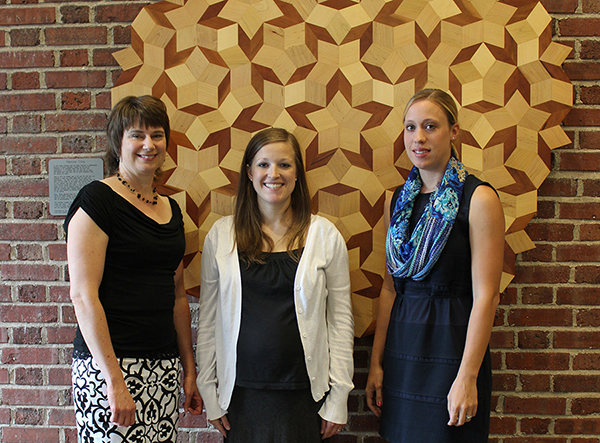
column 589, row 232
column 70, row 35
column 537, row 295
column 77, row 144
column 583, row 116
column 29, row 376
column 580, row 161
column 579, row 27
column 504, row 382
column 541, row 253
column 28, row 145
column 76, row 79
column 576, row 339
column 4, row 252
column 117, row 12
column 5, row 293
column 28, row 416
column 587, row 274
column 122, row 35
column 76, row 101
column 24, row 37
column 585, row 406
column 27, row 313
column 558, row 187
column 29, row 272
column 27, row 16
column 581, row 71
column 577, row 426
column 58, row 335
column 26, row 166
column 57, row 252
column 586, row 361
column 67, row 314
column 75, row 122
column 59, row 294
column 74, row 58
column 546, row 274
column 545, row 210
column 590, row 6
column 534, row 339
column 535, row 425
column 502, row 425
column 537, row 361
column 591, row 188
column 28, row 210
column 60, row 376
column 27, row 102
column 578, row 252
column 590, row 95
column 27, row 124
column 28, row 231
column 26, row 59
column 560, row 6
column 103, row 101
column 29, row 356
column 577, row 295
column 32, row 293
column 37, row 434
column 27, row 335
column 502, row 339
column 589, row 140
column 104, row 57
column 537, row 406
column 29, row 252
column 535, row 382
column 62, row 417
column 580, row 211
column 75, row 14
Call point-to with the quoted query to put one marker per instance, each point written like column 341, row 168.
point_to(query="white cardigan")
column 323, row 309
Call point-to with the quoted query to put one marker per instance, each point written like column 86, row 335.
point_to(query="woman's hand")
column 122, row 406
column 462, row 400
column 373, row 390
column 193, row 401
column 329, row 429
column 222, row 425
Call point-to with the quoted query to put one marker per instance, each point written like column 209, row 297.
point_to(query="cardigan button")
column 299, row 310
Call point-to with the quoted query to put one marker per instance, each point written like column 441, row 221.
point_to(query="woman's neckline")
column 138, row 209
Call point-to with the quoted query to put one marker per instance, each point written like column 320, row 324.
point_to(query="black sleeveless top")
column 269, row 349
column 137, row 290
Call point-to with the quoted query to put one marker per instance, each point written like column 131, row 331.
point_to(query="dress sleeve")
column 97, row 200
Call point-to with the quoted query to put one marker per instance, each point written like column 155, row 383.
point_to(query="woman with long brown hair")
column 275, row 325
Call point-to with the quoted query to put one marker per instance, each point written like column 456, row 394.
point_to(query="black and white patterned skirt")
column 154, row 385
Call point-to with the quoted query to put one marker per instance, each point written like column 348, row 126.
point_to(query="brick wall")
column 56, row 72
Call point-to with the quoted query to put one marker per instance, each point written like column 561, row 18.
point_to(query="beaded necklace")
column 154, row 200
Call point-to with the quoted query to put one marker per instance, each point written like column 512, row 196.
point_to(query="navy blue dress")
column 425, row 343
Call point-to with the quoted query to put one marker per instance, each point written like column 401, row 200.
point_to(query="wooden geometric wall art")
column 337, row 74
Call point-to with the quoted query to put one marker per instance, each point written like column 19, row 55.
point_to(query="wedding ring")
column 469, row 417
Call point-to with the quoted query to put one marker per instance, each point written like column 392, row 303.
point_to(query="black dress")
column 425, row 343
column 271, row 400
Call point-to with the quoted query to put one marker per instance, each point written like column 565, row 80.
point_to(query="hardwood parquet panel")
column 337, row 74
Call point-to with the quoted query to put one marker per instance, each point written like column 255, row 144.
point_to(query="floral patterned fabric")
column 155, row 387
column 414, row 256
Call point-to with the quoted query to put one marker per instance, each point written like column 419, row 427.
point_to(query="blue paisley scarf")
column 415, row 256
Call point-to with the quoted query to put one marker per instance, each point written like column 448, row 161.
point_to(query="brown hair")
column 247, row 217
column 145, row 110
column 443, row 100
